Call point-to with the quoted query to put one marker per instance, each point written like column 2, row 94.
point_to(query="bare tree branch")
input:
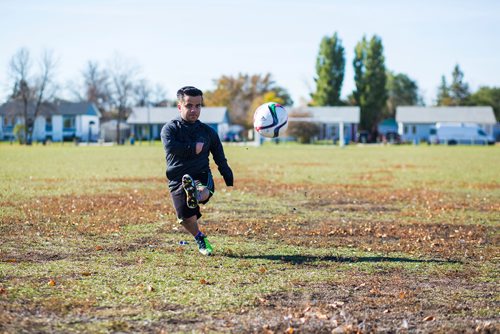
column 28, row 90
column 123, row 74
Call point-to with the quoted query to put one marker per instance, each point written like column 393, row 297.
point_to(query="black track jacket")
column 179, row 140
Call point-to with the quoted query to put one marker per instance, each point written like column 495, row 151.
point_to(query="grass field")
column 311, row 239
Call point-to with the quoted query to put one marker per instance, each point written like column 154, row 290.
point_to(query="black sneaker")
column 204, row 246
column 191, row 191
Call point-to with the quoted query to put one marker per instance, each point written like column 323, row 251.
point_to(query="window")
column 48, row 123
column 481, row 132
column 405, row 129
column 414, row 129
column 68, row 122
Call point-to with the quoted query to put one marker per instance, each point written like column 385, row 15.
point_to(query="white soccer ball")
column 270, row 120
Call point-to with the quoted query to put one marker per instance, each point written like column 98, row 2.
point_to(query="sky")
column 179, row 43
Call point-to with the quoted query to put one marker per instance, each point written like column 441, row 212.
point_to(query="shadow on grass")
column 301, row 259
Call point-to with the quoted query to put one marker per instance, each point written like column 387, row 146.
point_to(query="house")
column 57, row 121
column 414, row 123
column 108, row 131
column 334, row 122
column 146, row 123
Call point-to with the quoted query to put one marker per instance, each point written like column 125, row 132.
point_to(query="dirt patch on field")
column 384, row 225
column 99, row 213
column 387, row 303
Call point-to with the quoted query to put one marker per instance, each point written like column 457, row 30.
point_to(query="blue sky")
column 177, row 44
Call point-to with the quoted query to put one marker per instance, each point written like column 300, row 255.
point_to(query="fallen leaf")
column 11, row 260
column 99, row 248
column 289, row 330
column 2, row 291
column 267, row 330
column 86, row 273
column 336, row 304
column 338, row 330
column 150, row 288
column 52, row 282
column 261, row 300
column 429, row 318
column 321, row 316
column 204, row 281
column 262, row 270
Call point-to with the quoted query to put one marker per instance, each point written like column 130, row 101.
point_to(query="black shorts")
column 179, row 196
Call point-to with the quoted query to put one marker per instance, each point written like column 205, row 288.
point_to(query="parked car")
column 459, row 133
column 363, row 137
column 393, row 137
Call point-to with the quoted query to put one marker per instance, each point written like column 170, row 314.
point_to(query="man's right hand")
column 199, row 148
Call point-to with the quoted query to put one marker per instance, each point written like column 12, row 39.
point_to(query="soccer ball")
column 270, row 119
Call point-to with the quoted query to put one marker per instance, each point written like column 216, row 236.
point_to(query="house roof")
column 77, row 108
column 330, row 114
column 161, row 115
column 15, row 108
column 424, row 115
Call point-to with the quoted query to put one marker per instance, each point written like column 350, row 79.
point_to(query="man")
column 188, row 143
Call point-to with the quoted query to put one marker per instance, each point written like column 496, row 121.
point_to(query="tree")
column 443, row 97
column 20, row 65
column 459, row 90
column 37, row 90
column 239, row 93
column 143, row 93
column 457, row 94
column 147, row 95
column 401, row 91
column 123, row 75
column 159, row 97
column 97, row 85
column 330, row 66
column 370, row 77
column 487, row 96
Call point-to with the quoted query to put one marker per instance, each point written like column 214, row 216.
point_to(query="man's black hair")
column 189, row 91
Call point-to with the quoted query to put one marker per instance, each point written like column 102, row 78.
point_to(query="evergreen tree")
column 459, row 90
column 457, row 94
column 359, row 72
column 370, row 78
column 330, row 67
column 443, row 96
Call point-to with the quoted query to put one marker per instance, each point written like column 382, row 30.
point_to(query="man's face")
column 190, row 108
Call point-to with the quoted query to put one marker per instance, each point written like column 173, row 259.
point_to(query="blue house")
column 58, row 121
column 146, row 123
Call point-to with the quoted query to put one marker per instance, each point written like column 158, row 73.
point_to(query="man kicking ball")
column 188, row 143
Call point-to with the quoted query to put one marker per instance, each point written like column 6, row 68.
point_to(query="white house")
column 334, row 122
column 57, row 121
column 414, row 123
column 146, row 122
